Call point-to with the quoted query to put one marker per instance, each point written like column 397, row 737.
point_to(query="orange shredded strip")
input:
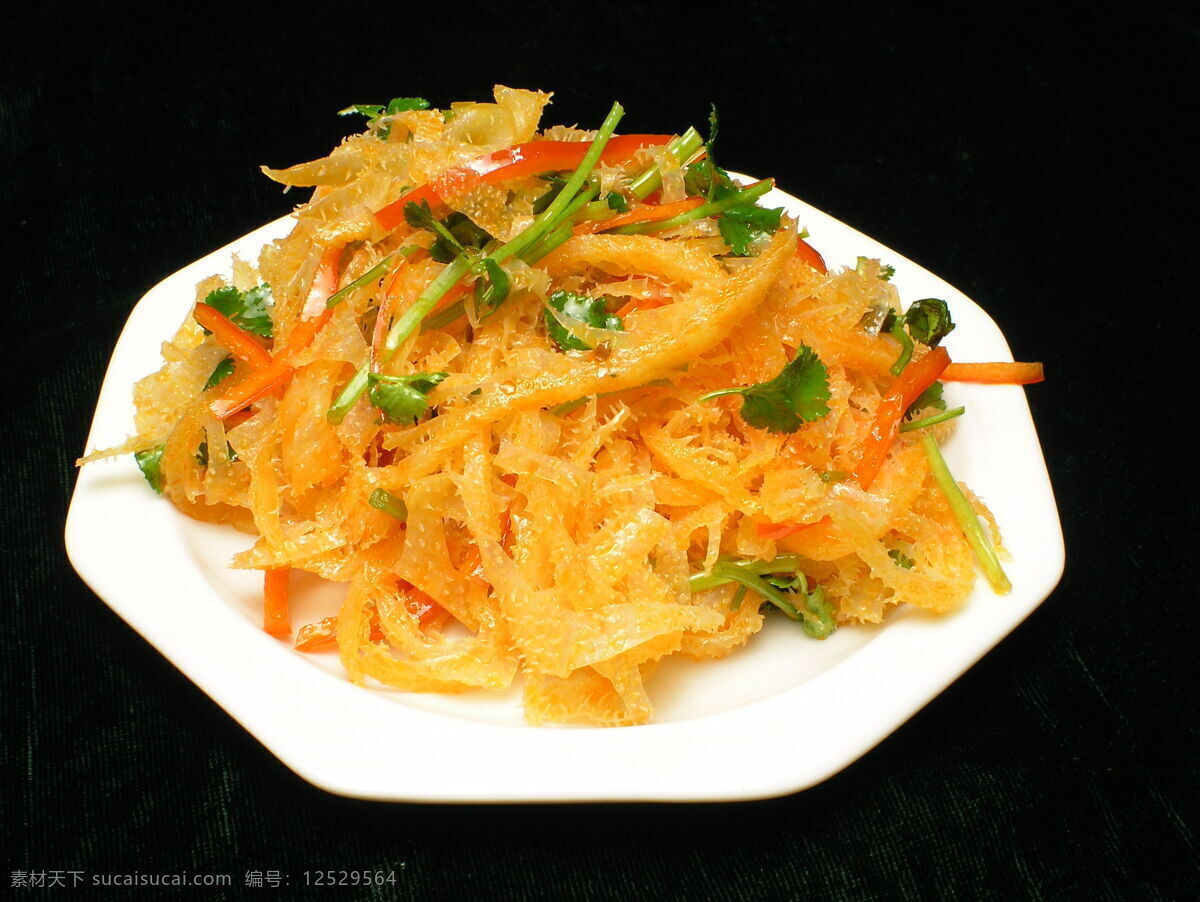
column 275, row 373
column 636, row 304
column 648, row 213
column 241, row 344
column 426, row 610
column 322, row 635
column 317, row 636
column 773, row 531
column 917, row 376
column 995, row 373
column 276, row 620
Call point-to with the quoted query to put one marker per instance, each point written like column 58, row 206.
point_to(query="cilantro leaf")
column 929, row 321
column 251, row 310
column 795, row 397
column 581, row 308
column 616, row 202
column 403, row 399
column 370, row 110
column 466, row 231
column 220, row 372
column 404, row 104
column 374, row 111
column 931, row 397
column 491, row 289
column 201, row 454
column 457, row 234
column 150, row 463
column 706, row 179
column 741, row 226
column 903, row 561
column 446, row 246
column 885, row 271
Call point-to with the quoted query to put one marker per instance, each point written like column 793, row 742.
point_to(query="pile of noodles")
column 560, row 542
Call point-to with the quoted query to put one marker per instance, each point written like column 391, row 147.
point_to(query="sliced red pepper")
column 275, row 373
column 514, row 162
column 907, row 387
column 810, row 255
column 995, row 373
column 241, row 344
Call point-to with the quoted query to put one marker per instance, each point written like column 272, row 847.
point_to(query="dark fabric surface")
column 1037, row 158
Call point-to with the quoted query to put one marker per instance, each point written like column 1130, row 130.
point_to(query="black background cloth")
column 1040, row 158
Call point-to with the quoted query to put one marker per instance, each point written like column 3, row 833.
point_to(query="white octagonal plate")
column 829, row 702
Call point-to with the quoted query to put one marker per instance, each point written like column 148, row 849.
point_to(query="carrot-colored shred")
column 917, row 376
column 995, row 373
column 276, row 619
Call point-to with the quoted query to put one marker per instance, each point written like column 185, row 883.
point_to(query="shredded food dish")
column 557, row 404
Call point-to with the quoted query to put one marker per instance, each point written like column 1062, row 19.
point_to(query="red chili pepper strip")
column 275, row 373
column 241, row 344
column 809, row 255
column 907, row 387
column 514, row 162
column 995, row 373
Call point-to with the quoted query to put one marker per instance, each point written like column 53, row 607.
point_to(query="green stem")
column 756, row 584
column 561, row 410
column 350, row 394
column 747, row 573
column 681, row 148
column 550, row 217
column 649, row 180
column 906, row 347
column 933, row 420
column 406, row 323
column 968, row 520
column 530, row 255
column 745, row 196
column 547, row 244
column 443, row 318
column 369, row 276
column 410, row 320
column 719, row 392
